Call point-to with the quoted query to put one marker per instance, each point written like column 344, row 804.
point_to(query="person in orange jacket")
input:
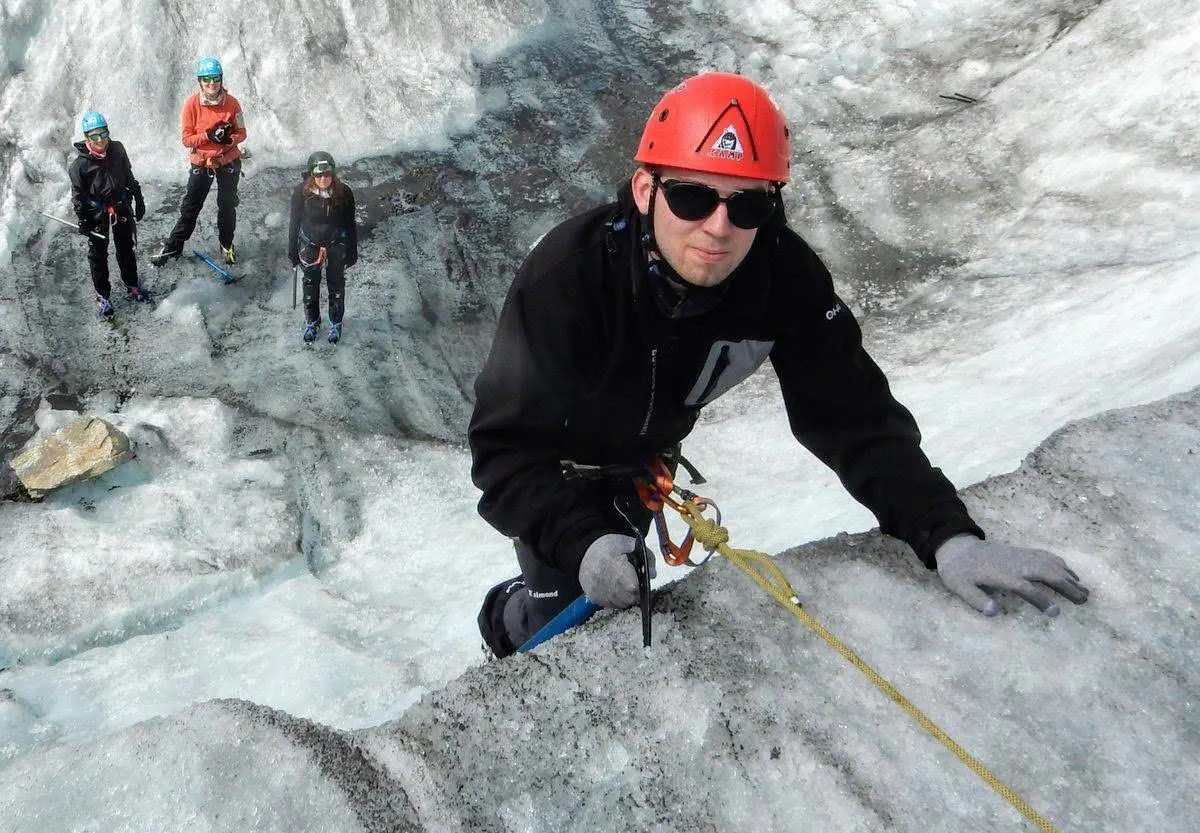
column 212, row 128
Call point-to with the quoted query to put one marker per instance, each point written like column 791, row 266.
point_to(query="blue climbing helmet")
column 92, row 121
column 208, row 66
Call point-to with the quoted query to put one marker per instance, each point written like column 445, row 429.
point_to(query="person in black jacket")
column 624, row 322
column 323, row 232
column 106, row 196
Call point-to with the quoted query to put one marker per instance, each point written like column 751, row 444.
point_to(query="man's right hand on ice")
column 606, row 573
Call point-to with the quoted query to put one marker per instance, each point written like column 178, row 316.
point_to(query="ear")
column 642, row 182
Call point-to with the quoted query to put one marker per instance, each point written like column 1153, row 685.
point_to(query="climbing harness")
column 658, row 491
column 320, row 259
column 308, row 245
column 655, row 488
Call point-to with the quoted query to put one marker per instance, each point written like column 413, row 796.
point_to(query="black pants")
column 199, row 184
column 512, row 614
column 335, row 279
column 124, row 235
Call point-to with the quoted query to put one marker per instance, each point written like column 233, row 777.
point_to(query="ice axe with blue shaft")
column 580, row 610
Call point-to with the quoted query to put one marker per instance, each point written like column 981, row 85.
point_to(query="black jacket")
column 322, row 222
column 587, row 366
column 98, row 183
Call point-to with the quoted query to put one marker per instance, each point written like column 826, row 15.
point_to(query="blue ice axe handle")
column 578, row 611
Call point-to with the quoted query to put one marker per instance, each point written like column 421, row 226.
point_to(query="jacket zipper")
column 653, row 391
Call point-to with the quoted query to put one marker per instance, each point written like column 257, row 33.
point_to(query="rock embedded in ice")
column 83, row 450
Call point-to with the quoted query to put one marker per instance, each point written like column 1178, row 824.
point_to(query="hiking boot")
column 230, row 255
column 165, row 253
column 103, row 308
column 138, row 294
column 335, row 333
column 311, row 329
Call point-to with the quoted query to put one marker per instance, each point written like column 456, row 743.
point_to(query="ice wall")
column 740, row 718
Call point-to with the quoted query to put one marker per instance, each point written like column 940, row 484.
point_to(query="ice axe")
column 582, row 608
column 69, row 224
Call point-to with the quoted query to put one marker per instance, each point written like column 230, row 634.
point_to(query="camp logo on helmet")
column 728, row 145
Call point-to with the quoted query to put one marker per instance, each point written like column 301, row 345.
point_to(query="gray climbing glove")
column 971, row 567
column 606, row 574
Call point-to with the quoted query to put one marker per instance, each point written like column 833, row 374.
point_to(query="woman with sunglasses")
column 213, row 128
column 106, row 197
column 323, row 233
column 624, row 322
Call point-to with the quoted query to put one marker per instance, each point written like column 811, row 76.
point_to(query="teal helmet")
column 208, row 66
column 92, row 121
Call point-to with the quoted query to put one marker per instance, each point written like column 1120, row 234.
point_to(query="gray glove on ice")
column 606, row 574
column 971, row 567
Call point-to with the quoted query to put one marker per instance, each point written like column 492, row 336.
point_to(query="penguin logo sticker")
column 728, row 145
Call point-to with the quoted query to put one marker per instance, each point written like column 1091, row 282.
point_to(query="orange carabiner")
column 655, row 488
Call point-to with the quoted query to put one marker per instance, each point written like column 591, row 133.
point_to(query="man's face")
column 703, row 252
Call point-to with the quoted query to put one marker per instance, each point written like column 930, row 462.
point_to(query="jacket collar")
column 86, row 153
column 672, row 295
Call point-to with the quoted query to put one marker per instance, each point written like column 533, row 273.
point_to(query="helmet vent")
column 663, row 115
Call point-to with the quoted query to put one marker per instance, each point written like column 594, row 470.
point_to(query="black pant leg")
column 548, row 590
column 312, row 293
column 227, row 201
column 199, row 183
column 125, row 239
column 335, row 279
column 515, row 610
column 547, row 593
column 98, row 259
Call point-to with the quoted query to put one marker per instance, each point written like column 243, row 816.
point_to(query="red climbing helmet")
column 719, row 123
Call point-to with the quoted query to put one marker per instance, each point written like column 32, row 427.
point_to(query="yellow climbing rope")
column 760, row 567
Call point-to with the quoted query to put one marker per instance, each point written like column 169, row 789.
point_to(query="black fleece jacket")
column 323, row 221
column 98, row 183
column 589, row 364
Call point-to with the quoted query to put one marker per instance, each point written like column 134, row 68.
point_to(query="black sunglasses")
column 211, row 79
column 693, row 201
column 98, row 136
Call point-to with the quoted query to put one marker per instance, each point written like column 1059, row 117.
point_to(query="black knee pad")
column 491, row 617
